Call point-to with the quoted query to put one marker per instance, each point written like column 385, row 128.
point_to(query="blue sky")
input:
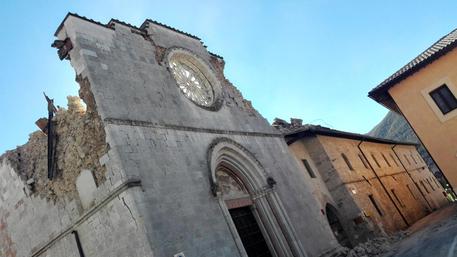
column 314, row 60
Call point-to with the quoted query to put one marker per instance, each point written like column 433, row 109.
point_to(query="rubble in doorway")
column 80, row 138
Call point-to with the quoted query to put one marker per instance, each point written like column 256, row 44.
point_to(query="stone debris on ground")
column 375, row 247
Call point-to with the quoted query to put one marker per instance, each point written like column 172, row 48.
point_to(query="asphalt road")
column 433, row 236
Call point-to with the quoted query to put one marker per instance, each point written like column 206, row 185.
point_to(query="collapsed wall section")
column 80, row 143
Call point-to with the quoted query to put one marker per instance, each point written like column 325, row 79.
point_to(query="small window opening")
column 348, row 163
column 430, row 184
column 414, row 159
column 366, row 180
column 423, row 185
column 375, row 160
column 411, row 191
column 308, row 168
column 395, row 160
column 406, row 157
column 396, row 198
column 436, row 183
column 444, row 99
column 364, row 161
column 375, row 205
column 385, row 159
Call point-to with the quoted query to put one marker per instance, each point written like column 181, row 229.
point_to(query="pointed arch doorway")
column 243, row 214
column 250, row 204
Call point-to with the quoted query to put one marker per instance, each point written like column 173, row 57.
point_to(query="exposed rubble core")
column 234, row 94
column 80, row 138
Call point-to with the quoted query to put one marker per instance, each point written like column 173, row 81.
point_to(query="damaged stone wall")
column 80, row 143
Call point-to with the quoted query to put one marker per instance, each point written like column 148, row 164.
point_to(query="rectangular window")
column 395, row 160
column 348, row 163
column 411, row 191
column 419, row 158
column 308, row 168
column 406, row 157
column 385, row 159
column 430, row 184
column 444, row 99
column 375, row 205
column 436, row 183
column 376, row 161
column 362, row 159
column 423, row 185
column 396, row 198
column 366, row 180
column 414, row 159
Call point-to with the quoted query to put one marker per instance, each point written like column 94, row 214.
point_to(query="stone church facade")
column 166, row 159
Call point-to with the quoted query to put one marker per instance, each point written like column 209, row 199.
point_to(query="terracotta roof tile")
column 438, row 49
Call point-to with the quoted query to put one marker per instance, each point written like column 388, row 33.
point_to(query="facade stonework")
column 163, row 176
column 375, row 187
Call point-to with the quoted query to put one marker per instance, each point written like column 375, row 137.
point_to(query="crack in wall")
column 131, row 214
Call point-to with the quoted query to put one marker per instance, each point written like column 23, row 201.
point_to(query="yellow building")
column 424, row 91
column 366, row 186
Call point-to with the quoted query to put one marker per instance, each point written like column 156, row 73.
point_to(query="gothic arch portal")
column 238, row 180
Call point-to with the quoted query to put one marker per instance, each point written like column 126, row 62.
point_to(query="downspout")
column 415, row 184
column 426, row 149
column 383, row 186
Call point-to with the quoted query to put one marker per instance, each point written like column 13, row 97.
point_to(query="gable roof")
column 434, row 52
column 312, row 130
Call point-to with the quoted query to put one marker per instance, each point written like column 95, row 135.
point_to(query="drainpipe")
column 383, row 186
column 409, row 174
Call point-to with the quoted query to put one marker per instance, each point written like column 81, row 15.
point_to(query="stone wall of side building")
column 399, row 202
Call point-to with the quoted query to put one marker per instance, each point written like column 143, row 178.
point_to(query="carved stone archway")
column 237, row 180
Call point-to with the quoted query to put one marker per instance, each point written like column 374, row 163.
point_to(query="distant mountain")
column 395, row 127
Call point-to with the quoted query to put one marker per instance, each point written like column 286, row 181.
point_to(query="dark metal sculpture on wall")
column 51, row 136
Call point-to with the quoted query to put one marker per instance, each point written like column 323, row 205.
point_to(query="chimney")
column 296, row 122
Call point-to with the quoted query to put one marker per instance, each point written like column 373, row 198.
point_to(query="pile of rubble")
column 375, row 247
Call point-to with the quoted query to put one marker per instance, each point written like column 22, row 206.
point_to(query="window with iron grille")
column 444, row 99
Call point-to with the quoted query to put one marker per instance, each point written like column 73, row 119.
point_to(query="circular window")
column 194, row 78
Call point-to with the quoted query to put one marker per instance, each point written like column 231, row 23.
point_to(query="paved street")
column 433, row 236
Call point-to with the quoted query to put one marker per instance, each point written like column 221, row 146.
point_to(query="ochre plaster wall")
column 437, row 132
